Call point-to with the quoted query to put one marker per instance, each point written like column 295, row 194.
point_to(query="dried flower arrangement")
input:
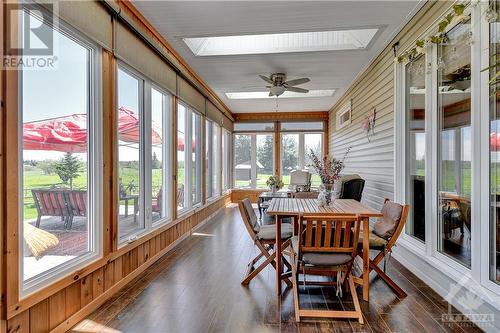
column 328, row 169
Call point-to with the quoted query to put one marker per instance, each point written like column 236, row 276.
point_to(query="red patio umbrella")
column 69, row 133
column 495, row 141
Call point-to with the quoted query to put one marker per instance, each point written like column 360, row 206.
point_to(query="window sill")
column 65, row 270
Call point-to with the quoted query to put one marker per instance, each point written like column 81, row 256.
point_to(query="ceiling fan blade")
column 297, row 82
column 296, row 89
column 265, row 78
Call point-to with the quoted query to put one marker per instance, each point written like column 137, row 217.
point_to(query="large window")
column 295, row 150
column 59, row 162
column 143, row 154
column 195, row 153
column 226, row 160
column 494, row 152
column 415, row 146
column 454, row 145
column 130, row 150
column 289, row 155
column 213, row 159
column 189, row 157
column 181, row 157
column 160, row 156
column 208, row 158
column 216, row 159
column 253, row 159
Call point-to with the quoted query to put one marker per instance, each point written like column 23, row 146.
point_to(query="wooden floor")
column 196, row 288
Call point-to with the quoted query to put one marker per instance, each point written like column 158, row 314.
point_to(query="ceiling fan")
column 278, row 84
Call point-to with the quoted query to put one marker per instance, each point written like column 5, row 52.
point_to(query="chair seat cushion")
column 268, row 232
column 376, row 242
column 386, row 225
column 326, row 259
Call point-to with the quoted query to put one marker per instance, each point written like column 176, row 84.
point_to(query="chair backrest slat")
column 328, row 233
column 309, row 233
column 335, row 234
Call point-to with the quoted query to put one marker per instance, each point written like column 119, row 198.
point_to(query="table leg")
column 279, row 261
column 126, row 207
column 136, row 209
column 260, row 210
column 366, row 259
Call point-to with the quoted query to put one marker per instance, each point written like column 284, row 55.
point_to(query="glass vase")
column 327, row 189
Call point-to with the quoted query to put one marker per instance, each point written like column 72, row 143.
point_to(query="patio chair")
column 156, row 203
column 352, row 189
column 180, row 195
column 76, row 201
column 264, row 238
column 50, row 203
column 300, row 181
column 383, row 237
column 327, row 246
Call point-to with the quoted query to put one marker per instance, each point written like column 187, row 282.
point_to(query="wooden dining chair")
column 383, row 236
column 326, row 245
column 264, row 238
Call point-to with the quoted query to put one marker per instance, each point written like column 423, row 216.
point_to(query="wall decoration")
column 456, row 15
column 368, row 124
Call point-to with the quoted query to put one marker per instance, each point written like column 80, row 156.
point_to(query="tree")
column 265, row 154
column 155, row 162
column 68, row 168
column 47, row 167
column 290, row 152
column 242, row 149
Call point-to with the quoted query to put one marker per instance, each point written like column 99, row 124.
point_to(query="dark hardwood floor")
column 196, row 288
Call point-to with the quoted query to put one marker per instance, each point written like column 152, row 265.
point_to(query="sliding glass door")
column 454, row 145
column 415, row 146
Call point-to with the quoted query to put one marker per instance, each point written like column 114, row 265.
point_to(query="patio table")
column 135, row 199
column 283, row 207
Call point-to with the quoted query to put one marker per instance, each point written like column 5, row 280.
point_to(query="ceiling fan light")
column 277, row 90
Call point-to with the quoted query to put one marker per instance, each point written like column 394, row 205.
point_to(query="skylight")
column 282, row 43
column 286, row 94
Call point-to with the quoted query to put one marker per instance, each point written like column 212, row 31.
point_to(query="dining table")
column 288, row 207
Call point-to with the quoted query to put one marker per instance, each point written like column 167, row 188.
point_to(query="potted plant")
column 274, row 183
column 329, row 170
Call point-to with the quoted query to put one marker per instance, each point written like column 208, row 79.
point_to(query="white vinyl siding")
column 374, row 160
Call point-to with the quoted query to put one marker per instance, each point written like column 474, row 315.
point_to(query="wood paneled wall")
column 240, row 194
column 62, row 308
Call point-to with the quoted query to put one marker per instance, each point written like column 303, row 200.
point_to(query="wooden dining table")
column 286, row 207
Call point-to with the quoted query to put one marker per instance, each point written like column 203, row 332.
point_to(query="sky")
column 56, row 92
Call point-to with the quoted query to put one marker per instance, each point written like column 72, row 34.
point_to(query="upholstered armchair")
column 300, row 181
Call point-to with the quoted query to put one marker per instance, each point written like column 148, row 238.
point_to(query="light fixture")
column 286, row 94
column 356, row 39
column 277, row 90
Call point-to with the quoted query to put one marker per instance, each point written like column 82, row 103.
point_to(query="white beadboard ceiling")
column 230, row 73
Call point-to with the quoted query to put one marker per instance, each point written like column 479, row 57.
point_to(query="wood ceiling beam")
column 282, row 116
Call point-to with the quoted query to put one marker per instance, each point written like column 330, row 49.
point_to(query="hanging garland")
column 457, row 15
